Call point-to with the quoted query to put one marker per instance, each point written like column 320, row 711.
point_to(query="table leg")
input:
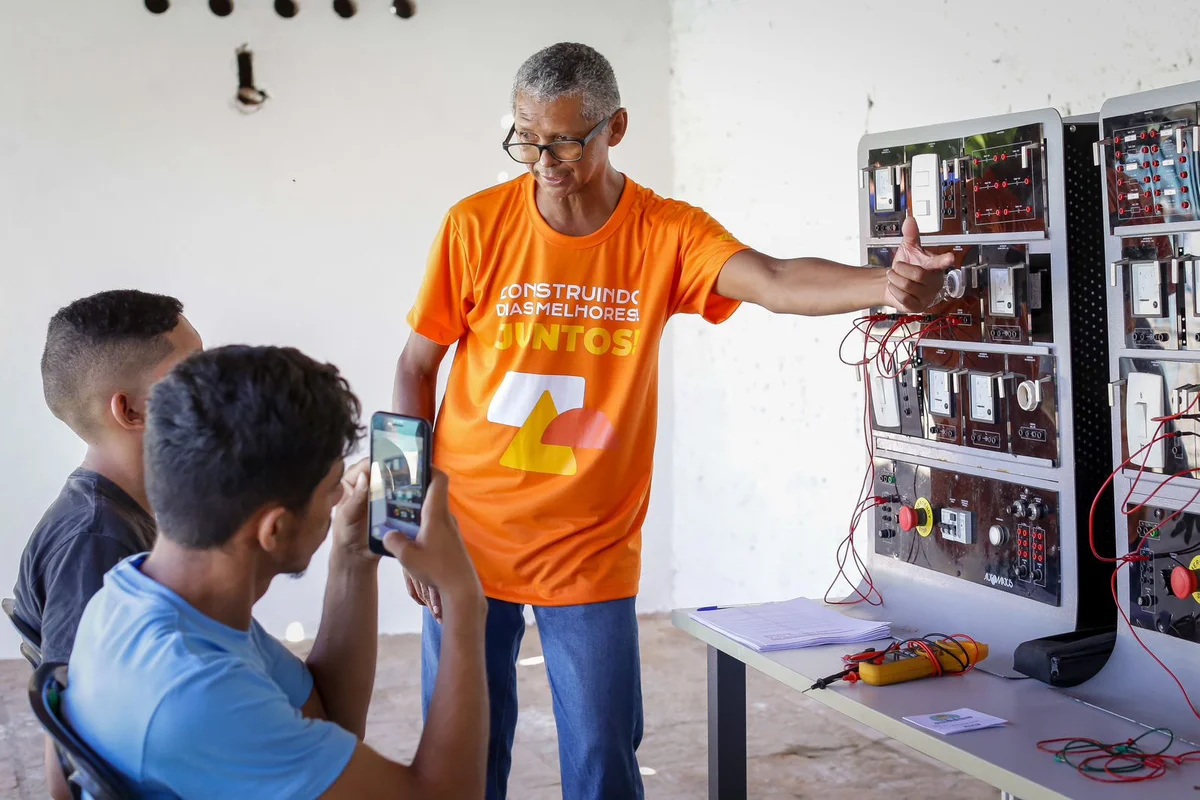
column 726, row 727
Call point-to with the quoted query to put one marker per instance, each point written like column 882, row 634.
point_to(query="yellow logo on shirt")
column 546, row 436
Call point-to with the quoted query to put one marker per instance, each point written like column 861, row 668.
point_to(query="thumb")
column 354, row 483
column 407, row 552
column 910, row 232
column 944, row 261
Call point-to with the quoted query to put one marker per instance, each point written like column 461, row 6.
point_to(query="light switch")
column 1001, row 297
column 885, row 402
column 941, row 400
column 926, row 192
column 1147, row 290
column 885, row 190
column 983, row 398
column 1144, row 402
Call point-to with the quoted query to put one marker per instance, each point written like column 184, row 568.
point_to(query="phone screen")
column 399, row 476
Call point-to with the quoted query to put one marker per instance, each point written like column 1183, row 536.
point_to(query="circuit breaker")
column 1007, row 367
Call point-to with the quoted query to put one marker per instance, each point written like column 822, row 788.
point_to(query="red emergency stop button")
column 1183, row 582
column 910, row 518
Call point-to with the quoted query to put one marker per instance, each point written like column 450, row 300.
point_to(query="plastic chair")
column 83, row 768
column 31, row 646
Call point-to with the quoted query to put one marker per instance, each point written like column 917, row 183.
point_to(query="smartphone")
column 400, row 470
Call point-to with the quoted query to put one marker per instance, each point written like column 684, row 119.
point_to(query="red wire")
column 1105, row 485
column 1120, row 755
column 971, row 662
column 1133, row 630
column 885, row 359
column 846, row 549
column 928, row 651
column 1162, row 421
column 1132, row 557
column 1130, row 512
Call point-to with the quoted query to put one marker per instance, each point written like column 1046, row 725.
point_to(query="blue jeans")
column 594, row 667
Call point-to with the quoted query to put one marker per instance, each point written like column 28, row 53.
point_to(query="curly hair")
column 233, row 429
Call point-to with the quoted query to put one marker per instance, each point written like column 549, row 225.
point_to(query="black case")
column 1067, row 659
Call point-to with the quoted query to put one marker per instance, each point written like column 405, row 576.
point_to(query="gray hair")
column 568, row 69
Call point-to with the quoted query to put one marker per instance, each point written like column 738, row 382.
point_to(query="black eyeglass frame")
column 541, row 148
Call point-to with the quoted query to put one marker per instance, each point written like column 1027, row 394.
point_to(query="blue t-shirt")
column 185, row 706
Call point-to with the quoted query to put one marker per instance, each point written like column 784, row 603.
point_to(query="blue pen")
column 709, row 608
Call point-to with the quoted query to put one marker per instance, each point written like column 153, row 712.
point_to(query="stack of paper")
column 789, row 625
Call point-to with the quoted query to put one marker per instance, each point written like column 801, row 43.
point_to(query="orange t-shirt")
column 547, row 427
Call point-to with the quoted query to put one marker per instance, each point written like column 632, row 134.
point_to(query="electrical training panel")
column 980, row 425
column 1146, row 148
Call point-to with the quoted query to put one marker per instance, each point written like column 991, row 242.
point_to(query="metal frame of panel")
column 921, row 599
column 1132, row 684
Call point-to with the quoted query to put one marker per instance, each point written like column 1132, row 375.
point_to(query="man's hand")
column 437, row 557
column 350, row 515
column 916, row 275
column 424, row 595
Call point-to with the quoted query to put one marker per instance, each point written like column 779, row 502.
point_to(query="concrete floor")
column 797, row 748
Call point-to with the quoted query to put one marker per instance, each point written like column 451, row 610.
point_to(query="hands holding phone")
column 436, row 565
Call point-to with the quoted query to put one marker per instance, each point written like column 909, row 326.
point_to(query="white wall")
column 768, row 102
column 122, row 164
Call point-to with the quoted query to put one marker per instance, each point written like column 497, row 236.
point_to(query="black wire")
column 940, row 644
column 934, row 643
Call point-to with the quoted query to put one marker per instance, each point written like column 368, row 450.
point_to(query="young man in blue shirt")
column 172, row 681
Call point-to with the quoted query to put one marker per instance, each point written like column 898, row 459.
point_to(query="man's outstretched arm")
column 817, row 287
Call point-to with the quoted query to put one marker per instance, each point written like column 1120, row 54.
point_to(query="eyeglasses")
column 560, row 149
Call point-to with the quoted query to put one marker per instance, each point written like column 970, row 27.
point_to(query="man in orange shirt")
column 556, row 287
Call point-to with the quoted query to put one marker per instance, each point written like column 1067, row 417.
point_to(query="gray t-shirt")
column 91, row 526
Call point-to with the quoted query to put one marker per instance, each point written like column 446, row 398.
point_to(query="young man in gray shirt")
column 101, row 357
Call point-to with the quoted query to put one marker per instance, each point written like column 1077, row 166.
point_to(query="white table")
column 1005, row 757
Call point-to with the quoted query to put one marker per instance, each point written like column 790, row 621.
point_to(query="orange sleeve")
column 446, row 295
column 704, row 247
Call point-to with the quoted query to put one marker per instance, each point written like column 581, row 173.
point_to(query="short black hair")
column 232, row 429
column 97, row 343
